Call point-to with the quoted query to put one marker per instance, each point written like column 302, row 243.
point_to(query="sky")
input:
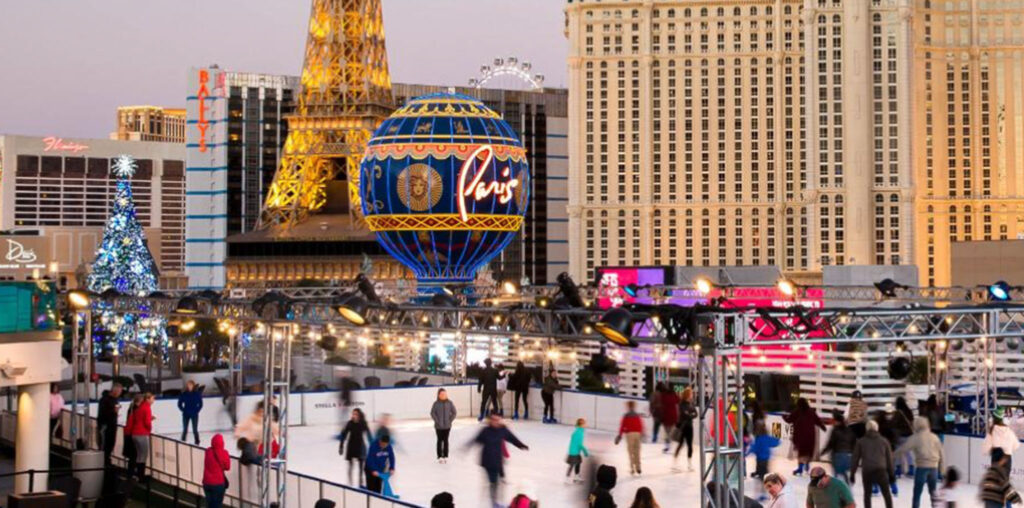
column 66, row 65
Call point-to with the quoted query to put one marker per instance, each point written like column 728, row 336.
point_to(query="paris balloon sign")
column 444, row 186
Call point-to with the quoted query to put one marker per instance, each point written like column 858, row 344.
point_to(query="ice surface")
column 539, row 472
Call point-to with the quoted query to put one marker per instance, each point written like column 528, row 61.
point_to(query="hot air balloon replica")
column 445, row 187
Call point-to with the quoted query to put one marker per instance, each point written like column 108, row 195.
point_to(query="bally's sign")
column 23, row 253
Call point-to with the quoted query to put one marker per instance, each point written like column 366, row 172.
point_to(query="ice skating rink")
column 539, row 472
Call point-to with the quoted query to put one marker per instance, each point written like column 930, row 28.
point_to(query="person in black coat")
column 520, row 386
column 355, row 452
column 491, row 439
column 601, row 496
column 106, row 421
column 488, row 385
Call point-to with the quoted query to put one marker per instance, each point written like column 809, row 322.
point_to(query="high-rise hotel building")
column 968, row 117
column 748, row 132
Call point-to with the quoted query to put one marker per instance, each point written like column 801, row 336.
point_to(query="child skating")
column 576, row 452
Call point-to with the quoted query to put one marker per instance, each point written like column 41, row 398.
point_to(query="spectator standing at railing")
column 520, row 385
column 547, row 394
column 190, row 403
column 106, row 421
column 139, row 427
column 215, row 465
column 487, row 386
column 56, row 406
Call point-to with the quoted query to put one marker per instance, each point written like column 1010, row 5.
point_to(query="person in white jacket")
column 780, row 494
column 1001, row 436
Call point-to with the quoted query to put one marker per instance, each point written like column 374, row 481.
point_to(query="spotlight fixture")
column 355, row 305
column 79, row 298
column 899, row 367
column 703, row 285
column 187, row 305
column 1000, row 291
column 272, row 300
column 616, row 326
column 510, row 288
column 543, row 301
column 786, row 287
column 444, row 299
column 328, row 343
column 187, row 326
column 888, row 287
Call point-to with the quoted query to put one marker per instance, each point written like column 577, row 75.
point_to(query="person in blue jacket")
column 380, row 460
column 190, row 402
column 761, row 449
column 492, row 454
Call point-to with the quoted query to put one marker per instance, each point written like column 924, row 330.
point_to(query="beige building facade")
column 150, row 123
column 757, row 132
column 969, row 128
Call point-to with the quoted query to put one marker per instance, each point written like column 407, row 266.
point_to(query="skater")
column 601, row 496
column 576, row 448
column 443, row 413
column 654, row 406
column 780, row 494
column 355, row 452
column 761, row 449
column 927, row 449
column 491, row 440
column 669, row 414
column 56, row 406
column 139, row 426
column 633, row 428
column 935, row 414
column 805, row 435
column 687, row 412
column 857, row 414
column 251, row 429
column 215, row 465
column 827, row 491
column 487, row 385
column 547, row 394
column 520, row 385
column 840, row 445
column 502, row 388
column 106, row 421
column 996, row 490
column 1001, row 436
column 644, row 499
column 903, row 427
column 442, row 500
column 384, row 429
column 872, row 452
column 944, row 497
column 380, row 464
column 190, row 402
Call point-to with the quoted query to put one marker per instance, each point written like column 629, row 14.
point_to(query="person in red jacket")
column 669, row 413
column 633, row 428
column 216, row 464
column 139, row 426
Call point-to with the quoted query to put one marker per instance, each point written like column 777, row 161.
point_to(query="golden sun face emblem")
column 419, row 187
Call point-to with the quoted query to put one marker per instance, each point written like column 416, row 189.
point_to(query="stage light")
column 888, row 287
column 509, row 288
column 79, row 299
column 786, row 287
column 188, row 325
column 353, row 308
column 328, row 343
column 187, row 305
column 631, row 290
column 263, row 303
column 899, row 367
column 616, row 326
column 1000, row 291
column 703, row 285
column 445, row 299
column 543, row 301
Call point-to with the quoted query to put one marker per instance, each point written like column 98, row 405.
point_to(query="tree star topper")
column 124, row 166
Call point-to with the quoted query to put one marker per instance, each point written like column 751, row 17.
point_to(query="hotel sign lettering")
column 23, row 253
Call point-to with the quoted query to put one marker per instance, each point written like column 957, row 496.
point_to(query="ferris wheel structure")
column 508, row 73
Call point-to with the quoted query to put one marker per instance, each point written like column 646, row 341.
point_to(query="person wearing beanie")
column 826, row 491
column 1001, row 436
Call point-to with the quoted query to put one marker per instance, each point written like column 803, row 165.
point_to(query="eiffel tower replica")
column 345, row 95
column 310, row 226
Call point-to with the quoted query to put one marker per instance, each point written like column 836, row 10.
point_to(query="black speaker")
column 50, row 499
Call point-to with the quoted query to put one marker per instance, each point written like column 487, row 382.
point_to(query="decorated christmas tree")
column 123, row 261
column 124, row 264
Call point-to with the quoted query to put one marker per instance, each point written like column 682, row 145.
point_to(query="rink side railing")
column 180, row 465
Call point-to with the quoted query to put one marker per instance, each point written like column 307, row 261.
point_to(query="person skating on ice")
column 380, row 461
column 487, row 386
column 632, row 426
column 443, row 413
column 355, row 451
column 687, row 412
column 491, row 440
column 576, row 452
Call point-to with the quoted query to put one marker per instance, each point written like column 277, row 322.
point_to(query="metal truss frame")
column 719, row 357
